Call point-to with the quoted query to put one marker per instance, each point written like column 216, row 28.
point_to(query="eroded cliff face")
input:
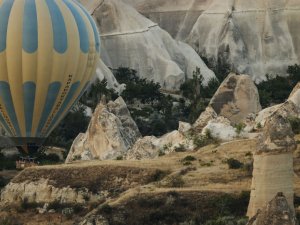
column 257, row 37
column 128, row 39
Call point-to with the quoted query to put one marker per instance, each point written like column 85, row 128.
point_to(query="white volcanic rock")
column 204, row 118
column 151, row 147
column 257, row 37
column 276, row 212
column 273, row 164
column 103, row 72
column 236, row 98
column 110, row 134
column 131, row 40
column 52, row 150
column 290, row 108
column 41, row 191
column 221, row 128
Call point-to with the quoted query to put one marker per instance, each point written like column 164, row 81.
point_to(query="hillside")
column 200, row 176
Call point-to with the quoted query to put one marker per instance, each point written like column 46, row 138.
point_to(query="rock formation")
column 110, row 134
column 221, row 129
column 290, row 108
column 42, row 191
column 276, row 212
column 257, row 37
column 204, row 118
column 51, row 150
column 103, row 72
column 236, row 98
column 273, row 164
column 131, row 40
column 151, row 147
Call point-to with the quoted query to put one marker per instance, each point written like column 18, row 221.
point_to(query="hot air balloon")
column 48, row 55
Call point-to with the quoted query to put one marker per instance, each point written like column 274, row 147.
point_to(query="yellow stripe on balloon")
column 29, row 66
column 45, row 60
column 72, row 59
column 3, row 66
column 14, row 61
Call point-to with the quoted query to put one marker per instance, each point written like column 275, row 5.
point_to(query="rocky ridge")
column 131, row 40
column 256, row 37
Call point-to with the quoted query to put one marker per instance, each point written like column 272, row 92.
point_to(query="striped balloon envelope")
column 48, row 54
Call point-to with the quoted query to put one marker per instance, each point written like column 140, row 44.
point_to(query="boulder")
column 128, row 39
column 220, row 128
column 151, row 147
column 276, row 212
column 204, row 118
column 110, row 134
column 273, row 164
column 184, row 127
column 236, row 98
column 60, row 152
column 290, row 108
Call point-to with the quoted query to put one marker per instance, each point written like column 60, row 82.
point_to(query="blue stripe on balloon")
column 4, row 16
column 83, row 33
column 76, row 100
column 5, row 94
column 59, row 27
column 96, row 33
column 30, row 30
column 29, row 97
column 52, row 94
column 65, row 103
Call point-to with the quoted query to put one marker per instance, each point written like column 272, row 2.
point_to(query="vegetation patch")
column 110, row 178
column 234, row 163
column 175, row 207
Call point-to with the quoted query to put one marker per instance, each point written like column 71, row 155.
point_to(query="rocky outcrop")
column 52, row 150
column 236, row 98
column 220, row 128
column 273, row 164
column 288, row 109
column 131, row 40
column 151, row 147
column 204, row 118
column 103, row 72
column 110, row 134
column 276, row 212
column 257, row 37
column 41, row 191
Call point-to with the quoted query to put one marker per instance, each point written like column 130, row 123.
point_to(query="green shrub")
column 234, row 163
column 158, row 175
column 106, row 208
column 204, row 140
column 187, row 163
column 239, row 128
column 9, row 220
column 180, row 148
column 175, row 181
column 26, row 205
column 188, row 158
column 119, row 158
column 161, row 153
